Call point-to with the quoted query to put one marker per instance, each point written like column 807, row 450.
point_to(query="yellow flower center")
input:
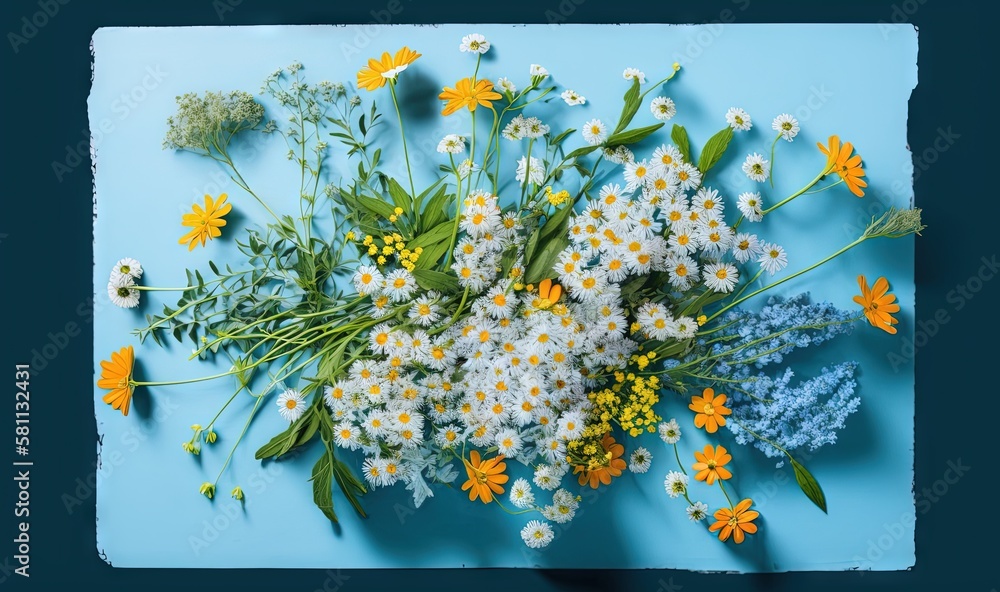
column 667, row 159
column 478, row 219
column 398, row 283
column 500, row 300
column 722, row 274
column 291, row 404
column 366, row 278
column 709, row 409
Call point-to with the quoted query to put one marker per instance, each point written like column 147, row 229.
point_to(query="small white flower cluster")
column 121, row 283
column 654, row 224
column 522, row 127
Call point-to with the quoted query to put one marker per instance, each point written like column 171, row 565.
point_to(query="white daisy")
column 688, row 175
column 504, row 84
column 663, row 108
column 546, row 477
column 521, row 494
column 683, row 271
column 374, row 470
column 786, row 126
column 636, row 174
column 595, row 132
column 127, row 266
column 683, row 328
column 465, row 167
column 368, row 280
column 534, row 128
column 618, row 155
column 448, row 436
column 538, row 71
column 721, row 277
column 451, row 144
column 632, row 73
column 573, row 98
column 291, row 405
column 399, row 285
column 745, row 247
column 537, row 534
column 772, row 258
column 667, row 156
column 738, row 119
column 498, row 303
column 708, row 200
column 122, row 292
column 474, row 43
column 532, row 172
column 639, row 460
column 514, row 130
column 750, row 205
column 346, row 435
column 675, row 483
column 508, row 442
column 670, row 431
column 756, row 167
column 380, row 338
column 697, row 511
column 425, row 310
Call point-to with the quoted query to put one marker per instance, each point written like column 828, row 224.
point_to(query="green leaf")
column 540, row 266
column 680, row 137
column 507, row 261
column 322, row 480
column 808, row 484
column 376, row 207
column 440, row 232
column 436, row 280
column 399, row 196
column 556, row 224
column 431, row 255
column 291, row 437
column 435, row 212
column 714, row 149
column 630, row 108
column 581, row 152
column 418, row 202
column 558, row 139
column 361, row 125
column 349, row 485
column 215, row 269
column 633, row 135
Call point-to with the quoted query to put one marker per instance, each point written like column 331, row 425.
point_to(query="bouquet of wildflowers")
column 541, row 310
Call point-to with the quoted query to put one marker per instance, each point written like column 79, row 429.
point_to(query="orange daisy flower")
column 468, row 93
column 485, row 477
column 710, row 410
column 840, row 161
column 603, row 473
column 548, row 294
column 116, row 375
column 878, row 304
column 737, row 522
column 380, row 71
column 710, row 464
column 205, row 222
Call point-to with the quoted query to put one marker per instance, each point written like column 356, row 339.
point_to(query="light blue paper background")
column 853, row 80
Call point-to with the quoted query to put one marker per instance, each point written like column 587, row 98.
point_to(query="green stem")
column 458, row 212
column 770, row 170
column 785, row 279
column 808, row 186
column 723, row 488
column 677, row 455
column 402, row 135
column 253, row 412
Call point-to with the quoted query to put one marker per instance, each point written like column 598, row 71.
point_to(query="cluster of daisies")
column 507, row 376
column 661, row 220
column 122, row 289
